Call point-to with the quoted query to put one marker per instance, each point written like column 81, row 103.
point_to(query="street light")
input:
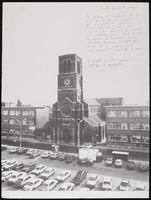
column 78, row 123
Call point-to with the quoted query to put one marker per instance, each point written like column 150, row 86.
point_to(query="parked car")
column 109, row 162
column 9, row 164
column 70, row 158
column 85, row 161
column 21, row 151
column 5, row 174
column 124, row 185
column 143, row 167
column 92, row 181
column 107, row 184
column 66, row 187
column 34, row 154
column 62, row 156
column 118, row 163
column 39, row 169
column 48, row 185
column 13, row 150
column 63, row 175
column 47, row 173
column 33, row 184
column 46, row 154
column 140, row 187
column 84, row 189
column 54, row 156
column 29, row 151
column 3, row 147
column 18, row 166
column 99, row 157
column 21, row 181
column 29, row 167
column 79, row 177
column 130, row 165
column 15, row 177
column 99, row 185
column 5, row 178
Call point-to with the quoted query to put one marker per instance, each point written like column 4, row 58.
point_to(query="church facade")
column 71, row 123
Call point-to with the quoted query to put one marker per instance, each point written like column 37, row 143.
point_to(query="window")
column 145, row 113
column 25, row 113
column 5, row 112
column 69, row 66
column 24, row 122
column 12, row 121
column 136, row 139
column 122, row 113
column 64, row 66
column 12, row 112
column 66, row 122
column 135, row 113
column 145, row 127
column 18, row 112
column 4, row 121
column 111, row 113
column 145, row 140
column 135, row 126
column 124, row 126
column 78, row 67
column 30, row 122
column 31, row 113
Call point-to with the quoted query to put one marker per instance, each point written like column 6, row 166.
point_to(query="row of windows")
column 94, row 110
column 124, row 126
column 14, row 122
column 18, row 112
column 136, row 113
column 133, row 138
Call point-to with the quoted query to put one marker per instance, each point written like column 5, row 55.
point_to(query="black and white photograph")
column 75, row 105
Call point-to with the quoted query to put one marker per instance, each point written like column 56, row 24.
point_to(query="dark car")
column 21, row 151
column 62, row 156
column 70, row 159
column 29, row 167
column 3, row 147
column 79, row 177
column 144, row 167
column 85, row 162
column 18, row 166
column 130, row 165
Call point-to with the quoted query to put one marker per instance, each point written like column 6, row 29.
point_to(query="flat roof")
column 120, row 152
column 126, row 106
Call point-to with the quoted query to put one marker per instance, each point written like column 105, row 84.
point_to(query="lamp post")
column 78, row 123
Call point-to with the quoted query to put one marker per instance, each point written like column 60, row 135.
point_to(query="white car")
column 9, row 164
column 107, row 184
column 15, row 177
column 38, row 170
column 118, row 163
column 67, row 187
column 32, row 184
column 5, row 174
column 13, row 149
column 63, row 175
column 124, row 185
column 84, row 189
column 92, row 181
column 13, row 173
column 46, row 154
column 3, row 162
column 109, row 161
column 140, row 187
column 47, row 173
column 48, row 185
column 23, row 180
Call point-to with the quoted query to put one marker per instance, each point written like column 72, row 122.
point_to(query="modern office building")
column 127, row 125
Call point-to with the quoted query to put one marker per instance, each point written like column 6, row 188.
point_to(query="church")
column 71, row 121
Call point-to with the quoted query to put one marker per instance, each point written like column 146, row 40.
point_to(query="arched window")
column 69, row 66
column 64, row 66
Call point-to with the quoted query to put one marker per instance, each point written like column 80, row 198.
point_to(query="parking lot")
column 116, row 174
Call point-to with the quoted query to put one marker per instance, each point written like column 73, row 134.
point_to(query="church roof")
column 110, row 101
column 91, row 101
column 93, row 120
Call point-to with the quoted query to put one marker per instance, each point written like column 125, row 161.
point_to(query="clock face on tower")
column 67, row 81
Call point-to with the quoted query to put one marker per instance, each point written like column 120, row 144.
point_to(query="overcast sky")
column 35, row 34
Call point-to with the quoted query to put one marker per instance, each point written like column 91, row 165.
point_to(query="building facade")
column 24, row 119
column 71, row 123
column 127, row 125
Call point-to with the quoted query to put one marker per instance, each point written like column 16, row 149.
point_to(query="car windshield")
column 62, row 174
column 61, row 189
column 47, row 172
column 92, row 178
column 45, row 184
column 124, row 184
column 107, row 183
column 20, row 179
column 29, row 183
column 109, row 159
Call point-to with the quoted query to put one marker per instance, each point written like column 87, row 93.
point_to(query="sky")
column 35, row 34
